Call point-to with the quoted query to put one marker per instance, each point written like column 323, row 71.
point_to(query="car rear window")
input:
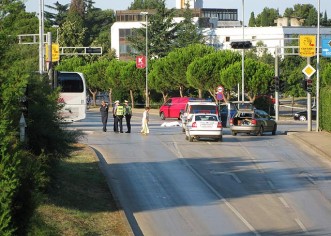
column 203, row 109
column 205, row 118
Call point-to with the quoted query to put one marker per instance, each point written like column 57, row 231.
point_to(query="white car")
column 203, row 125
column 197, row 106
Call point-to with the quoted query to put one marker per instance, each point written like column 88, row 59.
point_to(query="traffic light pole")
column 276, row 90
column 309, row 102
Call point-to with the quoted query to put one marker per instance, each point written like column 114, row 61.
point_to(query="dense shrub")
column 325, row 108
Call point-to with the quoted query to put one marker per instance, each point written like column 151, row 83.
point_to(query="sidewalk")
column 320, row 142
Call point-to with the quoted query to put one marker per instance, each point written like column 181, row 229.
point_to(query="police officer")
column 128, row 115
column 104, row 115
column 119, row 114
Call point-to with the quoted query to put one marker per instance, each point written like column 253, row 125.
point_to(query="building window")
column 227, row 39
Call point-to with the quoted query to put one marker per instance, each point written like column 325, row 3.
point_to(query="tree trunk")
column 94, row 93
column 200, row 93
column 131, row 96
column 110, row 96
column 165, row 96
column 181, row 91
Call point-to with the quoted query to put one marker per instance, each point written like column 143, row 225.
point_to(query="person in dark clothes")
column 128, row 115
column 104, row 115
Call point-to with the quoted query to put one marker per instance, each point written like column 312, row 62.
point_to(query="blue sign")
column 219, row 96
column 326, row 47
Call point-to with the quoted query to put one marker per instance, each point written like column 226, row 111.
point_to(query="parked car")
column 227, row 111
column 203, row 125
column 252, row 121
column 303, row 115
column 173, row 107
column 193, row 107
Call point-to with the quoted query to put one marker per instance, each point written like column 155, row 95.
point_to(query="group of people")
column 119, row 112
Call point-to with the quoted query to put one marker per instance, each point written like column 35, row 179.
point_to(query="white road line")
column 227, row 173
column 284, row 202
column 301, row 225
column 271, row 185
column 232, row 208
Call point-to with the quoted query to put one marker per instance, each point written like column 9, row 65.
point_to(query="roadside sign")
column 326, row 47
column 55, row 52
column 219, row 96
column 309, row 70
column 140, row 62
column 307, row 46
column 220, row 89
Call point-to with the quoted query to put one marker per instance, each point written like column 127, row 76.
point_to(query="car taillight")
column 253, row 122
column 194, row 125
column 231, row 121
column 219, row 125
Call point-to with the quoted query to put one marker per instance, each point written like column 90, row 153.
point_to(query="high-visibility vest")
column 120, row 111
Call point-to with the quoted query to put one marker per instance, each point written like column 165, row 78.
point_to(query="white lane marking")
column 284, row 202
column 303, row 228
column 271, row 185
column 234, row 176
column 234, row 210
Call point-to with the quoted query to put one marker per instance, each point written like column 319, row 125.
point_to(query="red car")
column 173, row 107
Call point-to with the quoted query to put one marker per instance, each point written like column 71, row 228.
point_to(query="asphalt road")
column 245, row 185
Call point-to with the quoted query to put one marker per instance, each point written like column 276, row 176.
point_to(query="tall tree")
column 188, row 33
column 267, row 17
column 144, row 4
column 161, row 33
column 307, row 12
column 251, row 22
column 57, row 18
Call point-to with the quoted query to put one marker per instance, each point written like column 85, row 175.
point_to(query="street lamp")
column 146, row 55
column 317, row 68
column 243, row 57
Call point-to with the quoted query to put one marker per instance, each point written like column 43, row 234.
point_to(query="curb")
column 298, row 139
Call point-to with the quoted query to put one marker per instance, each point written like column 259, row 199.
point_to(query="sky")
column 255, row 6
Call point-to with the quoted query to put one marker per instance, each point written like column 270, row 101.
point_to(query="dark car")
column 303, row 116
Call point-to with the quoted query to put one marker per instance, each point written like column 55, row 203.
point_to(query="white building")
column 220, row 27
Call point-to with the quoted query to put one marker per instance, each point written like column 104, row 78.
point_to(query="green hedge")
column 325, row 108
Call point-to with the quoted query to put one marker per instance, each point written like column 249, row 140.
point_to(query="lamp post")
column 146, row 55
column 41, row 36
column 243, row 57
column 317, row 68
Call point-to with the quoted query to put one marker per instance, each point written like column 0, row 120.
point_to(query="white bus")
column 72, row 95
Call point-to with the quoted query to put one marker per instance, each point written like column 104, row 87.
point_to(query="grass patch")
column 79, row 202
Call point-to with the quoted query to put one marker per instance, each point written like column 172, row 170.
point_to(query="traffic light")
column 309, row 85
column 241, row 44
column 276, row 78
column 282, row 84
column 94, row 50
column 304, row 84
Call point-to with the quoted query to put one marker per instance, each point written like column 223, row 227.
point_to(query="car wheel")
column 233, row 133
column 180, row 116
column 162, row 116
column 303, row 118
column 260, row 132
column 274, row 130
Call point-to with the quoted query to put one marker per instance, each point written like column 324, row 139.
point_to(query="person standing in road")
column 114, row 115
column 128, row 115
column 119, row 113
column 145, row 120
column 104, row 115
